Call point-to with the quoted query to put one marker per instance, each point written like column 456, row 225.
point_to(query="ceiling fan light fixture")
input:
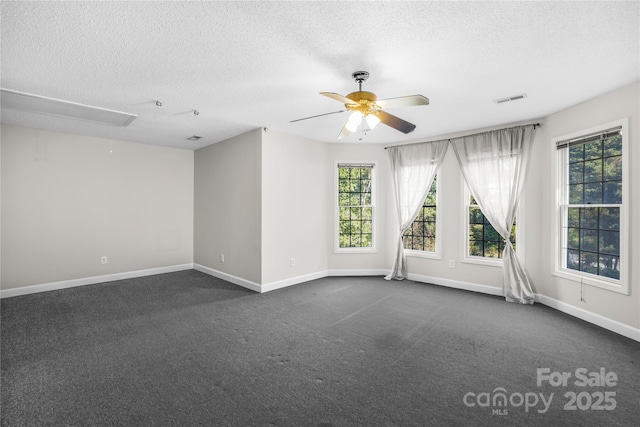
column 354, row 121
column 372, row 120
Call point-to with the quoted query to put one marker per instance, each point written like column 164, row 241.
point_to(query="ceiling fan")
column 368, row 111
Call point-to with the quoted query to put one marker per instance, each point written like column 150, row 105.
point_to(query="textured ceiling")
column 245, row 65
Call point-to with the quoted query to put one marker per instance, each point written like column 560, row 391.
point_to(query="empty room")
column 301, row 213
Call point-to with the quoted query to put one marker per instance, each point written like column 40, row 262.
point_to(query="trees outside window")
column 355, row 206
column 421, row 235
column 483, row 241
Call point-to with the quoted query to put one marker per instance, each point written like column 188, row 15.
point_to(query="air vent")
column 511, row 98
column 194, row 138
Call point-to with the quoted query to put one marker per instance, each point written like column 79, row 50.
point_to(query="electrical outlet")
column 103, row 260
column 452, row 263
column 293, row 262
column 221, row 257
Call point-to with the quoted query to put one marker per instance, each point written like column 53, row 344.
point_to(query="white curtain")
column 413, row 168
column 494, row 165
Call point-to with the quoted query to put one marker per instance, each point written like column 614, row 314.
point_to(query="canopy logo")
column 592, row 395
column 499, row 401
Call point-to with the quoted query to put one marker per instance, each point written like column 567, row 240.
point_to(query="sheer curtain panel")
column 494, row 165
column 413, row 168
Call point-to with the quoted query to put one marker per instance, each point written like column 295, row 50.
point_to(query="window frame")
column 336, row 208
column 488, row 261
column 559, row 182
column 437, row 254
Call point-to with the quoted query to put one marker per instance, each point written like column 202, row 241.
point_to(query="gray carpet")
column 189, row 349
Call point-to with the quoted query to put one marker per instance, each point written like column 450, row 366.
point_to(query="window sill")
column 354, row 251
column 482, row 261
column 609, row 285
column 422, row 254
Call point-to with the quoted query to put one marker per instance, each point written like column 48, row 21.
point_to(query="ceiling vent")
column 20, row 101
column 511, row 98
column 194, row 138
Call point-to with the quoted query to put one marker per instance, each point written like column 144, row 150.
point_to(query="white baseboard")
column 256, row 287
column 359, row 272
column 457, row 284
column 587, row 316
column 44, row 287
column 319, row 275
column 293, row 281
column 272, row 286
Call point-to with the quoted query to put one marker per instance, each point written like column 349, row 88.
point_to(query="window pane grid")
column 484, row 240
column 592, row 237
column 595, row 172
column 421, row 235
column 592, row 215
column 355, row 207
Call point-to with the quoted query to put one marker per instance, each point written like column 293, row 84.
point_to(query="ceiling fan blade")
column 339, row 97
column 395, row 122
column 318, row 115
column 344, row 132
column 403, row 101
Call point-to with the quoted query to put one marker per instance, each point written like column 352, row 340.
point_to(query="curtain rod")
column 585, row 138
column 535, row 125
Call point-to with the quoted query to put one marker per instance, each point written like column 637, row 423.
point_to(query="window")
column 483, row 243
column 591, row 244
column 421, row 235
column 355, row 202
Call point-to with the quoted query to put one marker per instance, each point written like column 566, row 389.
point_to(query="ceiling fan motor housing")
column 366, row 102
column 362, row 95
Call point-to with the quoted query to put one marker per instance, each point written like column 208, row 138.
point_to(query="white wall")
column 296, row 184
column 68, row 200
column 618, row 104
column 227, row 210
